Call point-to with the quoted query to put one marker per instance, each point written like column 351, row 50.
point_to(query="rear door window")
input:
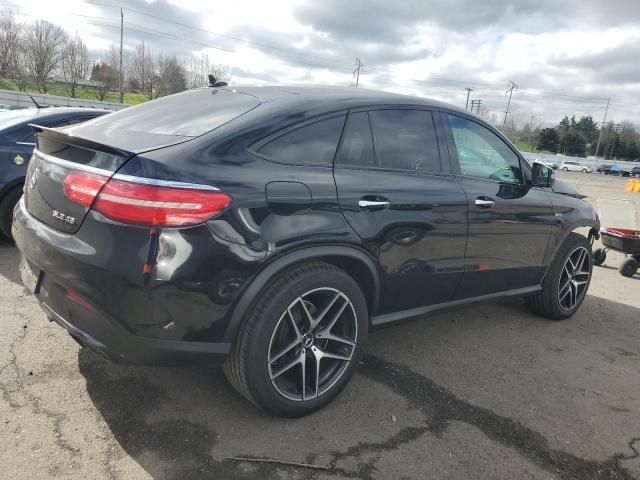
column 357, row 144
column 405, row 140
column 311, row 144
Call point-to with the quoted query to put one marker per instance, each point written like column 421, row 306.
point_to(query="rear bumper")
column 128, row 349
column 66, row 287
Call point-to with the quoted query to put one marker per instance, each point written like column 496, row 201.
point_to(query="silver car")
column 575, row 167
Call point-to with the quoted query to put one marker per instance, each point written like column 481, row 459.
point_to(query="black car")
column 16, row 144
column 635, row 172
column 268, row 229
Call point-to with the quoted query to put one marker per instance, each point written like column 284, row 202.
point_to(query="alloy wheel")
column 312, row 344
column 574, row 278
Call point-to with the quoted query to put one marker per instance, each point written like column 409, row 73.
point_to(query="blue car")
column 16, row 145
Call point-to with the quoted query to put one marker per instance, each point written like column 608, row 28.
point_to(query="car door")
column 396, row 190
column 509, row 221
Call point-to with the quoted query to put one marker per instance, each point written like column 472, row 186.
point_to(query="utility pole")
column 530, row 132
column 614, row 129
column 511, row 86
column 120, row 77
column 604, row 122
column 469, row 90
column 356, row 72
column 476, row 104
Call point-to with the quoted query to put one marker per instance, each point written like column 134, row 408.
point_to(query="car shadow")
column 187, row 423
column 9, row 261
column 609, row 267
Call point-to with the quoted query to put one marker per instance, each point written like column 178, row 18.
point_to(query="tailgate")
column 57, row 154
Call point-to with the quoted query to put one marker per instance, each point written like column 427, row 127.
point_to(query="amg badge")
column 65, row 218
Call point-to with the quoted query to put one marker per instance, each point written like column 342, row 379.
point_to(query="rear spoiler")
column 63, row 137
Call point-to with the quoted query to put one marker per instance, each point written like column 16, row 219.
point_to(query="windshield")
column 10, row 118
column 188, row 114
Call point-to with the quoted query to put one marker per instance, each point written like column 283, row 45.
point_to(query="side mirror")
column 541, row 175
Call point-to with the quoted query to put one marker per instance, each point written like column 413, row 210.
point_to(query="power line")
column 223, row 35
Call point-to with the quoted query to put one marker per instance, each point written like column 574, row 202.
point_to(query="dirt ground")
column 487, row 392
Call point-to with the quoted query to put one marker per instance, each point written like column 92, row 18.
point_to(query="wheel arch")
column 356, row 262
column 592, row 227
column 10, row 186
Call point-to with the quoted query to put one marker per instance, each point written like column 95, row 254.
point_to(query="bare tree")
column 106, row 72
column 21, row 65
column 9, row 37
column 76, row 64
column 143, row 70
column 103, row 78
column 44, row 45
column 199, row 69
column 171, row 76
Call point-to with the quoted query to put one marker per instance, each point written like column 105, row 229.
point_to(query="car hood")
column 566, row 188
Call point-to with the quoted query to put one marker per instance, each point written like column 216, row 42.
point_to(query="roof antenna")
column 36, row 103
column 215, row 83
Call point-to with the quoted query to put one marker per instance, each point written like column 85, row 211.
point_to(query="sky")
column 566, row 57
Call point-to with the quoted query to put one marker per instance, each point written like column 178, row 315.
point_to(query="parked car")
column 615, row 170
column 268, row 229
column 635, row 172
column 575, row 167
column 602, row 168
column 16, row 145
column 548, row 163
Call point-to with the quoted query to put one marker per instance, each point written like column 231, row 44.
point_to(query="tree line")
column 580, row 138
column 41, row 53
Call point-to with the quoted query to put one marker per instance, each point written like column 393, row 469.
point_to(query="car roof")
column 334, row 97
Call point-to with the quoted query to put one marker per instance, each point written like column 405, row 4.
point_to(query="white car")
column 575, row 167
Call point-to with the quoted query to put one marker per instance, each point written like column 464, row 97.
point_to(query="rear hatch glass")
column 168, row 120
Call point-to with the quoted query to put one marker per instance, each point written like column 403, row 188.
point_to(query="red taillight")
column 83, row 187
column 142, row 204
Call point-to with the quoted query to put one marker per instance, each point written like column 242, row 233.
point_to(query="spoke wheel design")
column 574, row 278
column 312, row 344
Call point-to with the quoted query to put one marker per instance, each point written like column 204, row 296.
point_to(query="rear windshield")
column 187, row 114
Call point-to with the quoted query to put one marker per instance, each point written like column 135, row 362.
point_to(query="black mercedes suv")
column 269, row 228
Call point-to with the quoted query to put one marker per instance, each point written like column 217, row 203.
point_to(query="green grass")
column 524, row 147
column 85, row 93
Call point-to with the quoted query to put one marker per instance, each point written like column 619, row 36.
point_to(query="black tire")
column 599, row 257
column 247, row 366
column 6, row 211
column 565, row 169
column 629, row 267
column 546, row 303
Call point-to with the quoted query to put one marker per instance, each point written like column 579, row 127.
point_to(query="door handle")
column 484, row 202
column 374, row 204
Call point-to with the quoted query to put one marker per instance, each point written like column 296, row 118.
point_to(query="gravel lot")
column 486, row 392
